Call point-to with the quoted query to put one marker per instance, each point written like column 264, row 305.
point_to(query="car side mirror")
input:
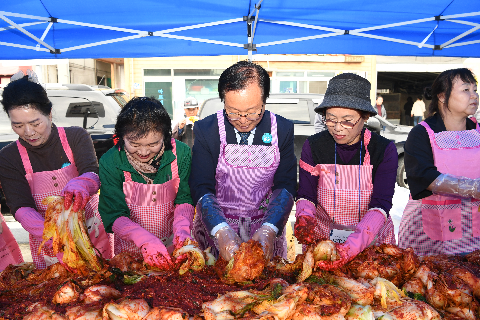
column 373, row 125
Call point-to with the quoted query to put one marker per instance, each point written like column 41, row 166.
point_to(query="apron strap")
column 476, row 122
column 65, row 145
column 366, row 140
column 128, row 176
column 25, row 159
column 430, row 132
column 314, row 171
column 221, row 127
column 273, row 121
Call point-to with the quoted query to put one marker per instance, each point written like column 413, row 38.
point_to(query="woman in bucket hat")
column 347, row 175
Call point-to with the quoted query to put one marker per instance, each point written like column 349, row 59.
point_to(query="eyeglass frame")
column 340, row 122
column 259, row 115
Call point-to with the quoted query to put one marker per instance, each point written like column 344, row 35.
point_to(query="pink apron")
column 151, row 206
column 446, row 224
column 51, row 183
column 244, row 177
column 343, row 196
column 9, row 250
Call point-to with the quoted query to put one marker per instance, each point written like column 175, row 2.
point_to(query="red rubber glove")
column 306, row 229
column 81, row 187
column 154, row 251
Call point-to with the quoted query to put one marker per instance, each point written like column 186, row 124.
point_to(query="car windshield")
column 295, row 110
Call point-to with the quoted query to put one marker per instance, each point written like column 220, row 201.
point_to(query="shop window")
column 325, row 74
column 161, row 91
column 201, row 89
column 197, row 72
column 157, row 72
column 290, row 74
column 288, row 87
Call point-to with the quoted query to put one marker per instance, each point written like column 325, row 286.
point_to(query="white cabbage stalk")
column 385, row 289
column 326, row 251
column 195, row 260
column 135, row 309
column 307, row 268
column 359, row 312
column 210, row 257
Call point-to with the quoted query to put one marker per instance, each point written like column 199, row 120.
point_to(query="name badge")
column 267, row 138
column 340, row 236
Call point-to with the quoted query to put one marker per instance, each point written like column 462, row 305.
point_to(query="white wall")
column 82, row 71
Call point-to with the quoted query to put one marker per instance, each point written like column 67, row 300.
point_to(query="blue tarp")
column 159, row 28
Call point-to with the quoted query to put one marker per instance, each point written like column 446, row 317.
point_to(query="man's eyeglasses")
column 250, row 116
column 345, row 124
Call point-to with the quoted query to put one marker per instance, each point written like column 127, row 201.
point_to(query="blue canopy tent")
column 39, row 29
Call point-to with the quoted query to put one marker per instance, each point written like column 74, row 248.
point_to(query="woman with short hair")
column 144, row 197
column 47, row 160
column 441, row 162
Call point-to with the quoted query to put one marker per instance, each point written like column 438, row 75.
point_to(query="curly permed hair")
column 140, row 116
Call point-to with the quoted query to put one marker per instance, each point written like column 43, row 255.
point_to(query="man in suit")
column 244, row 174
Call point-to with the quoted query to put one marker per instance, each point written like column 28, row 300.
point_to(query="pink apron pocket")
column 475, row 219
column 442, row 218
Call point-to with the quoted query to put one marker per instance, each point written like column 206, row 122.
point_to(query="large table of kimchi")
column 383, row 282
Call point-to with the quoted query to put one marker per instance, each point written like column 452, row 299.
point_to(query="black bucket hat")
column 348, row 90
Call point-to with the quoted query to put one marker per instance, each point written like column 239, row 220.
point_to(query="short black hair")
column 240, row 75
column 140, row 116
column 444, row 84
column 23, row 92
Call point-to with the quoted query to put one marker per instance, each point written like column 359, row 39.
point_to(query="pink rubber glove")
column 306, row 230
column 363, row 236
column 153, row 249
column 82, row 187
column 33, row 222
column 182, row 223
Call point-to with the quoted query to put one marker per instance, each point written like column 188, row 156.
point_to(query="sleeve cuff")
column 271, row 226
column 380, row 210
column 218, row 227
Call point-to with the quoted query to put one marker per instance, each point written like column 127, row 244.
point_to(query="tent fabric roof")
column 45, row 29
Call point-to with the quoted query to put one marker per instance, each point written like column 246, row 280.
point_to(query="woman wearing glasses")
column 347, row 175
column 441, row 157
column 144, row 196
column 243, row 168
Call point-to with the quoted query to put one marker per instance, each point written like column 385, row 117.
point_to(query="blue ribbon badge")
column 267, row 138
